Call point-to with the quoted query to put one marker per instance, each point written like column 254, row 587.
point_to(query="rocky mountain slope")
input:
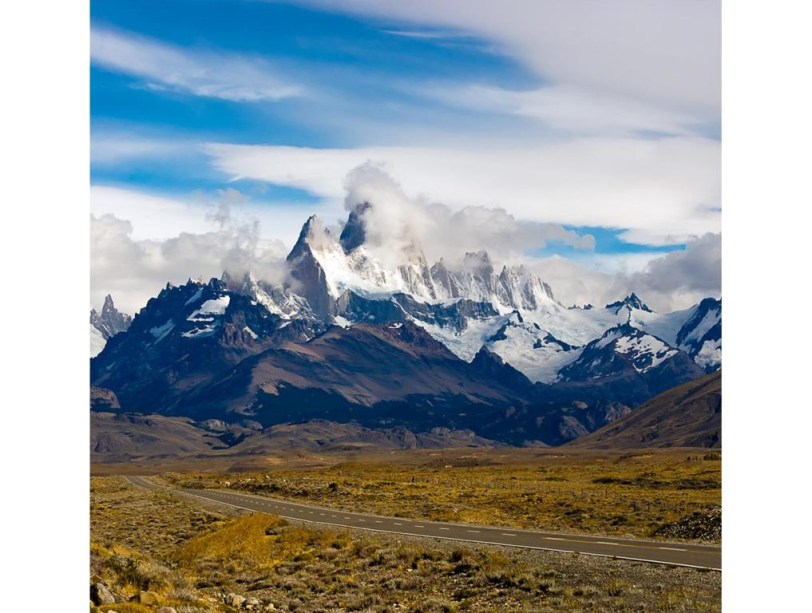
column 376, row 373
column 689, row 415
column 183, row 338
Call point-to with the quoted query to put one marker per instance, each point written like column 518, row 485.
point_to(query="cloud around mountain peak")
column 395, row 228
column 395, row 223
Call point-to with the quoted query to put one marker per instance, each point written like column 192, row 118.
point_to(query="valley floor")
column 151, row 549
column 164, row 550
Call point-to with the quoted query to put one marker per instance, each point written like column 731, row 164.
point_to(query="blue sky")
column 587, row 120
column 349, row 66
column 349, row 70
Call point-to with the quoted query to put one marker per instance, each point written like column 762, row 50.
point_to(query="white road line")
column 475, row 531
column 445, row 528
column 608, row 543
column 507, row 534
column 553, row 538
column 672, row 548
column 416, row 526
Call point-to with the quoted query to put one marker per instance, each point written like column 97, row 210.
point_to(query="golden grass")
column 260, row 542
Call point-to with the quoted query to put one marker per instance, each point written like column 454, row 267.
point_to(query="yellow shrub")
column 247, row 540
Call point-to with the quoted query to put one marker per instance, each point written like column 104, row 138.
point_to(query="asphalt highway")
column 658, row 552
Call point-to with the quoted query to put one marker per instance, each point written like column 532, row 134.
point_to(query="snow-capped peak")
column 630, row 302
column 278, row 300
column 324, row 266
column 313, row 235
column 106, row 325
column 644, row 351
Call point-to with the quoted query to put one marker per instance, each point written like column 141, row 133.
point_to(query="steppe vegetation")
column 152, row 550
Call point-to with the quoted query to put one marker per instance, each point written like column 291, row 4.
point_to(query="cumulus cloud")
column 667, row 282
column 396, row 223
column 578, row 283
column 201, row 73
column 135, row 270
column 696, row 270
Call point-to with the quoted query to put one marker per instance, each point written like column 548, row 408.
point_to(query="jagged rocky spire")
column 111, row 321
column 353, row 234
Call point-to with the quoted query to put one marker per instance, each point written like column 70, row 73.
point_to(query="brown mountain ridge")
column 689, row 415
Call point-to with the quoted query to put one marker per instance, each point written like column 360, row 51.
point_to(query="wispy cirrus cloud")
column 571, row 109
column 162, row 66
column 600, row 63
column 110, row 148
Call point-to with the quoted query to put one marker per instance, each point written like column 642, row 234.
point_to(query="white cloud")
column 575, row 282
column 571, row 109
column 667, row 282
column 396, row 223
column 664, row 191
column 696, row 269
column 153, row 217
column 660, row 53
column 133, row 270
column 118, row 147
column 201, row 73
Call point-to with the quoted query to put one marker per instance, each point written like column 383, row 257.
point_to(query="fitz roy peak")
column 377, row 335
column 326, row 267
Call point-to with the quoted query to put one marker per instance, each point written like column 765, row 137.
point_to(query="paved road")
column 659, row 552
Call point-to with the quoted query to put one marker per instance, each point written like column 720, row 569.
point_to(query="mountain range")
column 375, row 335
